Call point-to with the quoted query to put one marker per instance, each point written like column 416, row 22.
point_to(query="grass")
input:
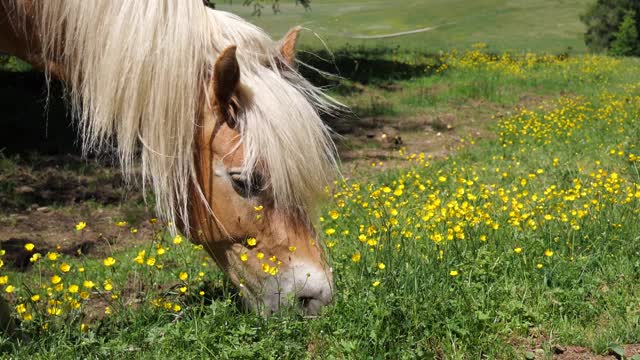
column 543, row 25
column 477, row 76
column 519, row 241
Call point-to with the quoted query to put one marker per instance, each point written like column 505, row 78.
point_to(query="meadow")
column 515, row 25
column 516, row 241
column 503, row 225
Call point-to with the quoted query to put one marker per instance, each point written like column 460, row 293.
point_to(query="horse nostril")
column 304, row 301
column 311, row 305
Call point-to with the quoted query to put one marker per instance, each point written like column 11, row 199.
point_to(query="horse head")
column 262, row 156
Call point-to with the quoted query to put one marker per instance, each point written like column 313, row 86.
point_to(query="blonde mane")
column 136, row 73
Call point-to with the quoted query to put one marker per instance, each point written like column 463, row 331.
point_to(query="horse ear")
column 288, row 46
column 226, row 76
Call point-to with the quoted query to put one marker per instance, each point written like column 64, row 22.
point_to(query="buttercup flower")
column 109, row 261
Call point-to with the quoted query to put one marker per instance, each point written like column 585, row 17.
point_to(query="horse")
column 226, row 131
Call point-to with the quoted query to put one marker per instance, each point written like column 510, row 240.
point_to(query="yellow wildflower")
column 81, row 225
column 20, row 308
column 140, row 258
column 64, row 267
column 56, row 311
column 109, row 261
column 29, row 246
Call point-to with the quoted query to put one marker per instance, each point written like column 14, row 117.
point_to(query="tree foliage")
column 259, row 5
column 604, row 20
column 625, row 41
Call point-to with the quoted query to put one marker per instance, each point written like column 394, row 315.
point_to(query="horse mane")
column 136, row 73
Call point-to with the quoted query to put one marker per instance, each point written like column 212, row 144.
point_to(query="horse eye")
column 246, row 188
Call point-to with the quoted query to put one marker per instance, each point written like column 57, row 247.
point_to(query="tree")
column 258, row 5
column 604, row 19
column 625, row 41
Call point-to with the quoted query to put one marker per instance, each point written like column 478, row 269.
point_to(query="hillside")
column 519, row 25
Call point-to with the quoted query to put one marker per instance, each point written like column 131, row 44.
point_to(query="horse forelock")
column 279, row 120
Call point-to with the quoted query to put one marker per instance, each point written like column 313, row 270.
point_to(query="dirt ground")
column 43, row 198
column 582, row 353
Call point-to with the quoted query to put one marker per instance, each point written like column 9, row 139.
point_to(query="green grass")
column 478, row 86
column 517, row 25
column 559, row 181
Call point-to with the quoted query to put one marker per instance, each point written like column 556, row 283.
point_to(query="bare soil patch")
column 39, row 181
column 54, row 230
column 436, row 134
column 583, row 353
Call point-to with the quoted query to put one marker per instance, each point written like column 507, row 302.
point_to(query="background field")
column 488, row 207
column 520, row 25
